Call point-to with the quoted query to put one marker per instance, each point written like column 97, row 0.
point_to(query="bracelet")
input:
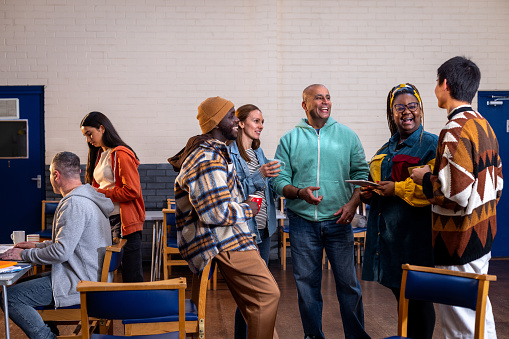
column 298, row 193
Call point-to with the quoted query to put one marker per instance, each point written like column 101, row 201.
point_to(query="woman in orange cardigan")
column 112, row 169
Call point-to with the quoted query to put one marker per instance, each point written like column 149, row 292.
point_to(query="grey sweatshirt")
column 81, row 232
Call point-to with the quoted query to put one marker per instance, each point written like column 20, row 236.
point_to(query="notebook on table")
column 4, row 264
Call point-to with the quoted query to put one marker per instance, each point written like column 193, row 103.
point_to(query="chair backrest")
column 444, row 287
column 112, row 259
column 199, row 292
column 171, row 203
column 48, row 209
column 169, row 224
column 195, row 312
column 199, row 295
column 132, row 301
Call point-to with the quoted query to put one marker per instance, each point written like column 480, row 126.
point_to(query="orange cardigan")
column 127, row 190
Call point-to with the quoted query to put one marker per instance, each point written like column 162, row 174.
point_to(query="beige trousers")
column 254, row 289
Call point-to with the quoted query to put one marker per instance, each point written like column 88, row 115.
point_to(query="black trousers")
column 132, row 270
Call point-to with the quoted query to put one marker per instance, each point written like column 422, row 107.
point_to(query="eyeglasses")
column 412, row 107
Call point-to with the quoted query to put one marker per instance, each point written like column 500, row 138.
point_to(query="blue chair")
column 170, row 246
column 48, row 209
column 194, row 316
column 443, row 287
column 71, row 314
column 123, row 301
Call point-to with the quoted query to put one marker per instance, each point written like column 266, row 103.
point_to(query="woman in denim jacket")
column 254, row 172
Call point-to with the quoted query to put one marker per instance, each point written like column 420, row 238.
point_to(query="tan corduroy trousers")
column 254, row 289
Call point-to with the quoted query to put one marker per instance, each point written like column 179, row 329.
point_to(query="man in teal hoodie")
column 320, row 154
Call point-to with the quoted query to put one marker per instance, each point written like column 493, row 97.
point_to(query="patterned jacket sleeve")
column 207, row 184
column 467, row 161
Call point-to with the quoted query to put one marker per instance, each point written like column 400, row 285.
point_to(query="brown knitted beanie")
column 211, row 112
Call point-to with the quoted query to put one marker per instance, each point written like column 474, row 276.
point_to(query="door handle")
column 38, row 179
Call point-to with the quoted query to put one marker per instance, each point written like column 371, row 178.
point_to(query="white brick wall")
column 148, row 64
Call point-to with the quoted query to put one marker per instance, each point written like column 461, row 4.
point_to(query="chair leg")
column 283, row 250
column 323, row 261
column 212, row 283
column 165, row 266
column 358, row 252
column 214, row 278
column 323, row 258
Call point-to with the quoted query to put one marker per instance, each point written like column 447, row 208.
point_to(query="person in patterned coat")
column 212, row 218
column 464, row 189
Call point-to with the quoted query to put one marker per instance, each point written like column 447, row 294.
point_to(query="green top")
column 325, row 159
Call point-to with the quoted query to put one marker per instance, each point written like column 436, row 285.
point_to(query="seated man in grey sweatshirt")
column 81, row 232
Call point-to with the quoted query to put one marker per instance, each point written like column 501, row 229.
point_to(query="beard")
column 228, row 132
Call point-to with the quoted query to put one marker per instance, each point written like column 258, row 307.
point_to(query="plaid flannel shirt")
column 210, row 215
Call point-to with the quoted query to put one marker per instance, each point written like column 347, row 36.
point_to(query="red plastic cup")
column 256, row 199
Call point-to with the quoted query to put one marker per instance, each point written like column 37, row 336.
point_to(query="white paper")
column 362, row 182
column 4, row 248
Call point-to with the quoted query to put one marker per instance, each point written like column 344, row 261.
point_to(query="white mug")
column 282, row 163
column 18, row 236
column 33, row 237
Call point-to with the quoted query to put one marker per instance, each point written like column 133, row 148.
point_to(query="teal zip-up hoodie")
column 324, row 159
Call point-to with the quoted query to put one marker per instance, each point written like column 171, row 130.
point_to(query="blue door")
column 494, row 106
column 22, row 173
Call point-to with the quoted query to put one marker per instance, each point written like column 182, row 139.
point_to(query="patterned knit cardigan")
column 464, row 188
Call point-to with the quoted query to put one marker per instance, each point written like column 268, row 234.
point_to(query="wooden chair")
column 284, row 232
column 195, row 312
column 48, row 209
column 132, row 300
column 112, row 259
column 170, row 246
column 359, row 233
column 359, row 239
column 72, row 314
column 444, row 287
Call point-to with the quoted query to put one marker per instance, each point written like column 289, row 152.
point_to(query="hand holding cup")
column 272, row 168
column 254, row 203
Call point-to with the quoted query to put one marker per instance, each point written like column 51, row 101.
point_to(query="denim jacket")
column 255, row 182
column 399, row 226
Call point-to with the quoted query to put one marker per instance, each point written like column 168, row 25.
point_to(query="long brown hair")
column 243, row 113
column 110, row 139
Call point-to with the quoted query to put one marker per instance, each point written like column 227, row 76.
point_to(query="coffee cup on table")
column 17, row 237
column 256, row 199
column 33, row 238
column 282, row 163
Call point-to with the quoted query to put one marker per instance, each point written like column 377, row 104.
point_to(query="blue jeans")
column 308, row 239
column 240, row 331
column 21, row 300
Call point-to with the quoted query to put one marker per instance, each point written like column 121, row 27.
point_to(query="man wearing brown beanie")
column 212, row 218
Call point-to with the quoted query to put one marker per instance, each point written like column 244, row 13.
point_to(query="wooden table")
column 7, row 279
